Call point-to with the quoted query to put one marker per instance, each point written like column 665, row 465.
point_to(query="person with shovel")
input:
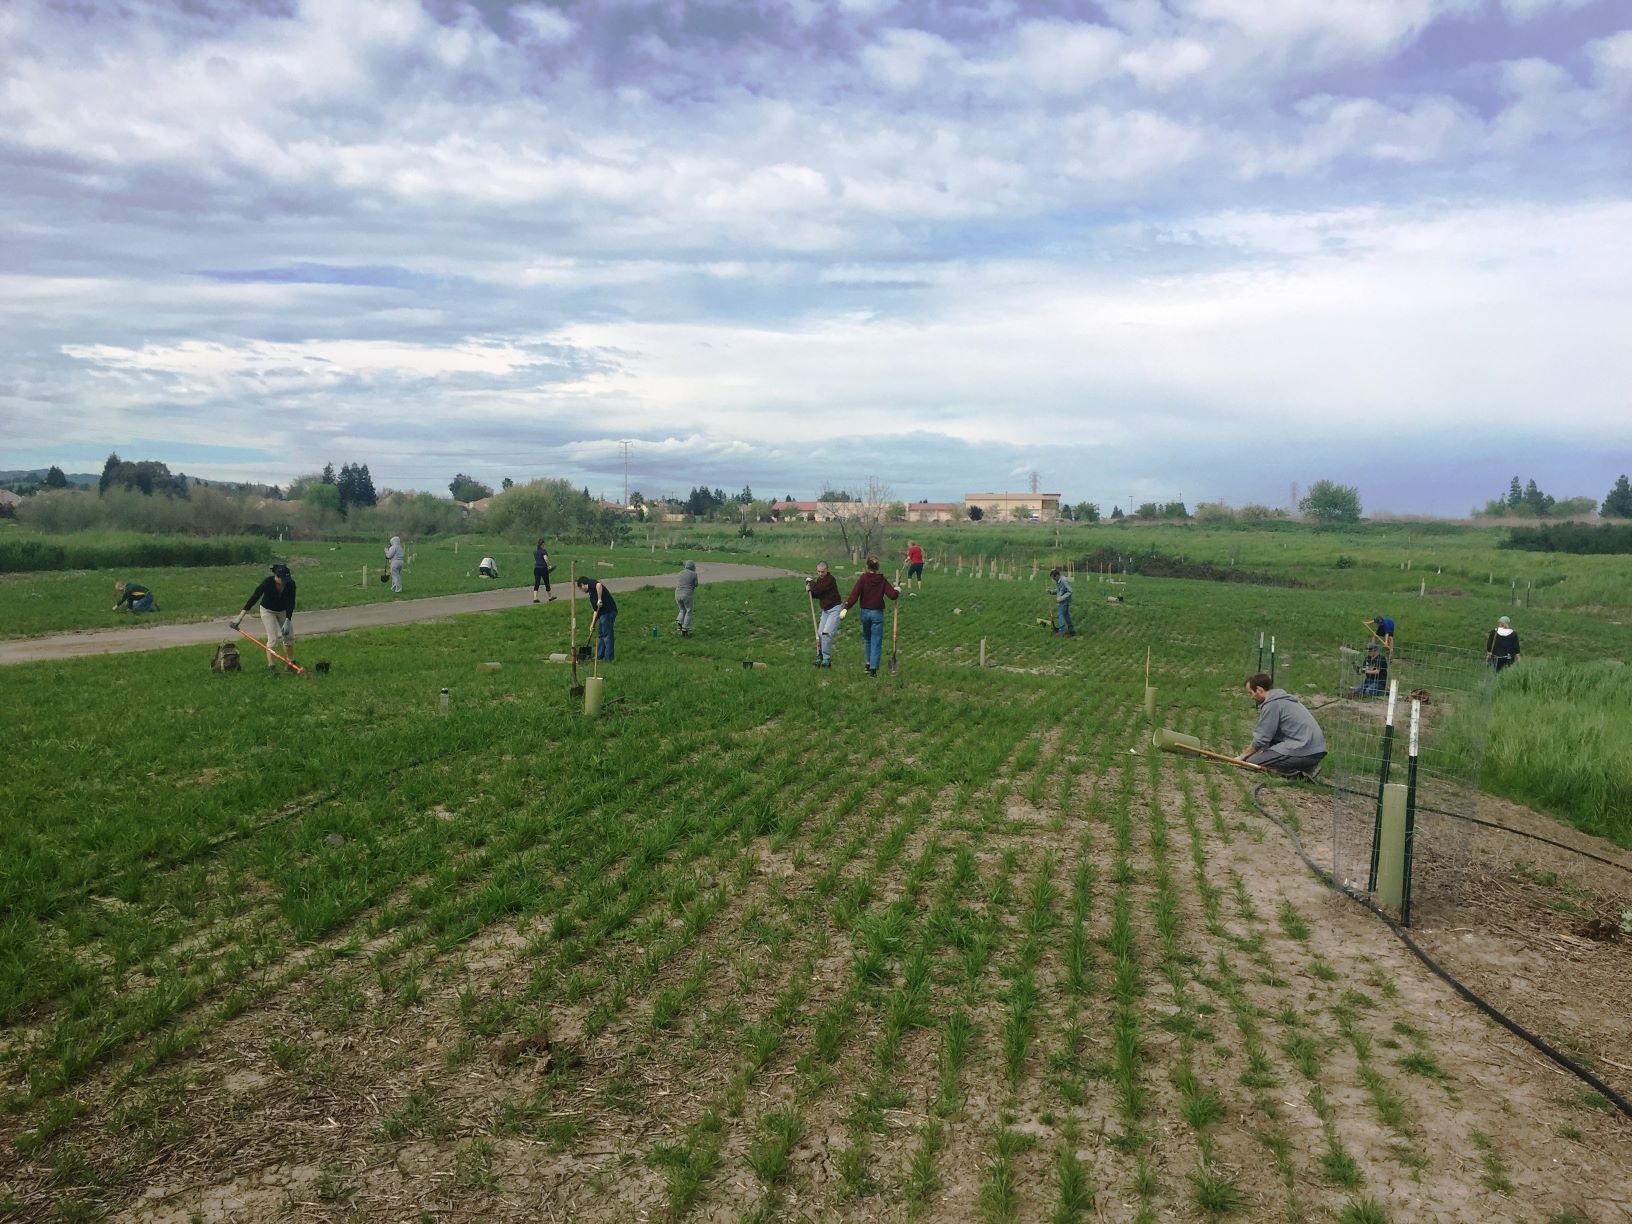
column 393, row 558
column 1287, row 739
column 1382, row 628
column 139, row 599
column 1062, row 592
column 605, row 609
column 824, row 592
column 685, row 591
column 871, row 590
column 276, row 595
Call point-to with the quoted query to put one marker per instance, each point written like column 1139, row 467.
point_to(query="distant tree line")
column 1526, row 500
column 1602, row 539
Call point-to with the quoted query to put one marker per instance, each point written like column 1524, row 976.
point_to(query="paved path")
column 339, row 620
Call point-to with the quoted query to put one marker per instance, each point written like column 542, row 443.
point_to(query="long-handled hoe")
column 1173, row 741
column 815, row 629
column 293, row 666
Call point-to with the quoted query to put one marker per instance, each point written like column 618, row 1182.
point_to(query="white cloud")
column 1166, row 63
column 546, row 25
column 1612, row 60
column 1334, row 30
column 903, row 60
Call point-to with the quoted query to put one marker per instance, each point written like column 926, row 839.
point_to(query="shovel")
column 895, row 630
column 814, row 628
column 582, row 652
column 293, row 666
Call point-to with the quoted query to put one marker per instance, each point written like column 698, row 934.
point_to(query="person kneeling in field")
column 276, row 595
column 1287, row 739
column 489, row 568
column 134, row 595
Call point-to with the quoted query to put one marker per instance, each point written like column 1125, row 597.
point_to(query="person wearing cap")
column 1373, row 671
column 135, row 596
column 1062, row 592
column 606, row 614
column 1286, row 740
column 276, row 596
column 685, row 591
column 1382, row 627
column 1502, row 645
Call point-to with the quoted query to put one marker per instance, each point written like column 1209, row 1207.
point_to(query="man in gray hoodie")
column 1287, row 739
column 685, row 588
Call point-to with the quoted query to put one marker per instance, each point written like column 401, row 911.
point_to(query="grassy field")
column 756, row 943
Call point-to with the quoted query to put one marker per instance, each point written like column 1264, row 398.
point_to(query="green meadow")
column 946, row 944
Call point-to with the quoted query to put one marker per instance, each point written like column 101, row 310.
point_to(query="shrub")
column 97, row 552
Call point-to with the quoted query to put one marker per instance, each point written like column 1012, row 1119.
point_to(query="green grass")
column 751, row 909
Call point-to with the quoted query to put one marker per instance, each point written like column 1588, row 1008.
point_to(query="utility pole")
column 626, row 443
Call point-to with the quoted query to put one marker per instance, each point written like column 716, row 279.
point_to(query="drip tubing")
column 1561, row 1059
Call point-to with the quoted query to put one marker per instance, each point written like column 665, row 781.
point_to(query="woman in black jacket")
column 276, row 595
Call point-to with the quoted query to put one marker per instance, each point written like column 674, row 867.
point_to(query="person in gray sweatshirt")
column 685, row 589
column 1287, row 739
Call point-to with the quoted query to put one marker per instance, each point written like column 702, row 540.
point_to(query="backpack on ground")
column 226, row 658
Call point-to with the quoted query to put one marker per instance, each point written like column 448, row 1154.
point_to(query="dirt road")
column 339, row 620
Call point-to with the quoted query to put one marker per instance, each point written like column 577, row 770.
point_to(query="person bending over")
column 606, row 612
column 276, row 595
column 489, row 568
column 135, row 596
column 1287, row 739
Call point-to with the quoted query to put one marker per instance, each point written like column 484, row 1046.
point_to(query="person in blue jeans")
column 871, row 590
column 1062, row 592
column 605, row 609
column 136, row 597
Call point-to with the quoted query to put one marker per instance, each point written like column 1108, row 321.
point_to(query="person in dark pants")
column 1373, row 673
column 1062, row 592
column 1287, row 739
column 1502, row 645
column 871, row 590
column 541, row 570
column 135, row 596
column 276, row 595
column 605, row 609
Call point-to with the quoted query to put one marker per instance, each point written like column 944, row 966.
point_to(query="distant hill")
column 90, row 480
column 35, row 475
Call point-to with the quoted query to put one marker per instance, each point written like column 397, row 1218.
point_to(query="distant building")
column 936, row 512
column 1016, row 507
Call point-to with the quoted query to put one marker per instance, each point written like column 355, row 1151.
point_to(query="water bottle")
column 444, row 701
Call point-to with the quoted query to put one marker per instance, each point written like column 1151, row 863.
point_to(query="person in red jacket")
column 871, row 590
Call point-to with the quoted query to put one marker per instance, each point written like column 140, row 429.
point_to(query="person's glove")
column 234, row 622
column 843, row 612
column 283, row 629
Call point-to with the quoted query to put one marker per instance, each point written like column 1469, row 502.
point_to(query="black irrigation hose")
column 1488, row 824
column 1561, row 1059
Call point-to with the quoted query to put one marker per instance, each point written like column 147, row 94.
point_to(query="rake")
column 293, row 666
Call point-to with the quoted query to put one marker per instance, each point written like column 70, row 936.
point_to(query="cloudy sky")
column 1144, row 248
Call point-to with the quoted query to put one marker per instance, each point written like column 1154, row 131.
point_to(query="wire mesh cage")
column 1452, row 689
